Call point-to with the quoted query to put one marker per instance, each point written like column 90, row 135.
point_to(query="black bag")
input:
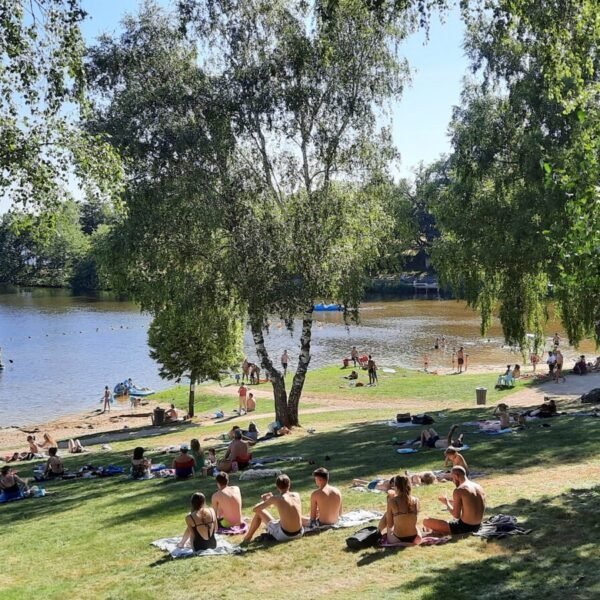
column 403, row 418
column 423, row 420
column 367, row 537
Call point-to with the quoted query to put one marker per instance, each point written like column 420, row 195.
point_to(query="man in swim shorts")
column 227, row 502
column 467, row 507
column 289, row 506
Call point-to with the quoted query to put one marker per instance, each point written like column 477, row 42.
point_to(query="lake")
column 64, row 349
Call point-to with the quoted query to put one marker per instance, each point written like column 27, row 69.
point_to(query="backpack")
column 423, row 419
column 403, row 418
column 367, row 537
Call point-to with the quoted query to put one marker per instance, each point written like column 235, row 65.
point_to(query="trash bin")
column 481, row 394
column 159, row 416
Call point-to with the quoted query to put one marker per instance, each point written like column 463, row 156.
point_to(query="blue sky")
column 420, row 120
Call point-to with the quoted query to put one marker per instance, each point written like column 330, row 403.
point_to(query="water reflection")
column 65, row 348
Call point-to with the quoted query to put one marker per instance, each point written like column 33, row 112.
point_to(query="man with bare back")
column 289, row 506
column 467, row 506
column 227, row 502
column 325, row 501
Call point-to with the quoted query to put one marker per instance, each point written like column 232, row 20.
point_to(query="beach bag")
column 367, row 537
column 403, row 418
column 423, row 420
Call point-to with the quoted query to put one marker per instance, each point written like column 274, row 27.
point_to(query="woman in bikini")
column 201, row 525
column 402, row 512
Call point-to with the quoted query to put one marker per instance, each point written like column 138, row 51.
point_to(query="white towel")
column 170, row 545
column 252, row 474
column 356, row 518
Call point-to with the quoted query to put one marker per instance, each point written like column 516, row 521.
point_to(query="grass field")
column 91, row 539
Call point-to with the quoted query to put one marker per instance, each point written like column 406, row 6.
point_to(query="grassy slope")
column 90, row 539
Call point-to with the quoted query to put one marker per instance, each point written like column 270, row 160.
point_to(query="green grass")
column 408, row 385
column 90, row 539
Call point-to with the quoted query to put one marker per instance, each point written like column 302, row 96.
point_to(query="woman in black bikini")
column 402, row 512
column 201, row 525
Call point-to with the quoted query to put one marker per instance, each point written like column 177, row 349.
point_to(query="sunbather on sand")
column 227, row 502
column 325, row 501
column 289, row 506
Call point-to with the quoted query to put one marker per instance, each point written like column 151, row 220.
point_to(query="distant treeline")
column 58, row 247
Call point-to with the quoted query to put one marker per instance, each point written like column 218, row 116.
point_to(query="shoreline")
column 123, row 416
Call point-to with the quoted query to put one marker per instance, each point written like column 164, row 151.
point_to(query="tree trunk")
column 277, row 381
column 303, row 362
column 192, row 396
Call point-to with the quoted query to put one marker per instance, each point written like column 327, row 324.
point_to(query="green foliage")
column 42, row 76
column 522, row 208
column 254, row 165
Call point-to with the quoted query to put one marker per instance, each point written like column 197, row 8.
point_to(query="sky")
column 419, row 120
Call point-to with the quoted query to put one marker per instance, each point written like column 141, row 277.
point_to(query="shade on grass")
column 90, row 539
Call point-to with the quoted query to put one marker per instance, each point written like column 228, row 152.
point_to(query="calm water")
column 65, row 349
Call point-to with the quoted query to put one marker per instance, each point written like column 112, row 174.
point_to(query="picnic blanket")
column 170, row 545
column 233, row 530
column 253, row 474
column 500, row 526
column 428, row 540
column 398, row 425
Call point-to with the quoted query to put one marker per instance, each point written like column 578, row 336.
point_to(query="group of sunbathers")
column 226, row 511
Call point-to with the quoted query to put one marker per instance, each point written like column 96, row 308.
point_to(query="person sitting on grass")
column 289, row 506
column 430, row 439
column 227, row 502
column 184, row 464
column 54, row 466
column 453, row 456
column 75, row 447
column 501, row 411
column 12, row 486
column 325, row 501
column 197, row 454
column 252, row 434
column 353, row 375
column 236, row 453
column 467, row 507
column 581, row 367
column 201, row 525
column 140, row 466
column 400, row 519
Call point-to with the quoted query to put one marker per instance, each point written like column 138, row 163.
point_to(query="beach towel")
column 253, row 474
column 420, row 541
column 497, row 431
column 396, row 424
column 234, row 530
column 500, row 526
column 170, row 545
column 356, row 518
column 266, row 460
column 406, row 450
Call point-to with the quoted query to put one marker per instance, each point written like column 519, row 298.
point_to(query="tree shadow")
column 558, row 559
